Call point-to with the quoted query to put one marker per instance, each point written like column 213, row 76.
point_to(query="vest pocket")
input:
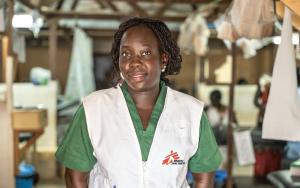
column 182, row 129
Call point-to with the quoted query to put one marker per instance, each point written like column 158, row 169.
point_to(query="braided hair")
column 167, row 44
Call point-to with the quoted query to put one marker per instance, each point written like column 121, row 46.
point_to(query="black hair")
column 215, row 96
column 167, row 44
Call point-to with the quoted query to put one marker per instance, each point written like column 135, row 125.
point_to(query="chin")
column 141, row 87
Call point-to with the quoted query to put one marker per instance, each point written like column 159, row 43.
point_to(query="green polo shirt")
column 76, row 150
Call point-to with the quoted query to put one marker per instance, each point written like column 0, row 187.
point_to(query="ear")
column 164, row 60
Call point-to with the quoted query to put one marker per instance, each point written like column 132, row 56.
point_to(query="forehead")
column 141, row 34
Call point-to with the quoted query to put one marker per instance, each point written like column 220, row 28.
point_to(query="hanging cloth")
column 19, row 46
column 81, row 79
column 282, row 115
column 2, row 18
column 194, row 35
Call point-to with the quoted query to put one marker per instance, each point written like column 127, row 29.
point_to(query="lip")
column 137, row 76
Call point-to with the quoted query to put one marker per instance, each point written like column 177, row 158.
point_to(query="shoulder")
column 102, row 94
column 184, row 98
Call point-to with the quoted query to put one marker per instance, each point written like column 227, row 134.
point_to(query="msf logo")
column 173, row 159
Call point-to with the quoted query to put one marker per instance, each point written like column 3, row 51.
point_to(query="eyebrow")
column 128, row 46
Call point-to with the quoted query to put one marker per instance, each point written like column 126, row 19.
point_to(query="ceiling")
column 107, row 14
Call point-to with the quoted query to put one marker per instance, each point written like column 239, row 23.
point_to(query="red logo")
column 173, row 159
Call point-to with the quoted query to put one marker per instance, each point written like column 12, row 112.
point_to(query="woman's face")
column 140, row 60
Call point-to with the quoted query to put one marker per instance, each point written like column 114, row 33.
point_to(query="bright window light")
column 22, row 21
column 295, row 38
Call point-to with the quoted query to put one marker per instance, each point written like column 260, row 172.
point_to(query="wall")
column 186, row 77
column 250, row 69
column 37, row 55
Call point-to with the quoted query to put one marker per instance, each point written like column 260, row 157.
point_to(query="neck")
column 145, row 99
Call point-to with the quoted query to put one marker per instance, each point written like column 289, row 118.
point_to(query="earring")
column 121, row 75
column 164, row 68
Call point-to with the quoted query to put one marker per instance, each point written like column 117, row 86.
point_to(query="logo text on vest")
column 173, row 159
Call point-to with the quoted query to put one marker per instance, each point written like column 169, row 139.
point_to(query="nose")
column 136, row 61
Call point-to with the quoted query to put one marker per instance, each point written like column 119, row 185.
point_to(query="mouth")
column 137, row 76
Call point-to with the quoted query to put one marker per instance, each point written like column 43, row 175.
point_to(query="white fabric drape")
column 282, row 116
column 81, row 79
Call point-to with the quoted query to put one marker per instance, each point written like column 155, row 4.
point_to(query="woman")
column 111, row 141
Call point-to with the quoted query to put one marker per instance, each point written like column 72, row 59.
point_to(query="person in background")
column 218, row 116
column 242, row 81
column 184, row 90
column 140, row 133
column 261, row 97
column 217, row 112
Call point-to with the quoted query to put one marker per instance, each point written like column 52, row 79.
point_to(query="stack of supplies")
column 295, row 170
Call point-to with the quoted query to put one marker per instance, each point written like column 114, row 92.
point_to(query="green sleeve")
column 76, row 151
column 207, row 157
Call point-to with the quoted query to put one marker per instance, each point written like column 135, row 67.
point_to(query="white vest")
column 116, row 147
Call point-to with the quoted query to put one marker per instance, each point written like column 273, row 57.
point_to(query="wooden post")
column 9, row 66
column 9, row 83
column 4, row 55
column 9, row 31
column 53, row 47
column 231, row 119
column 202, row 69
column 7, row 49
column 7, row 178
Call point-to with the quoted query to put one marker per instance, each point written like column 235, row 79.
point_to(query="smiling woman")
column 140, row 133
column 141, row 62
column 166, row 47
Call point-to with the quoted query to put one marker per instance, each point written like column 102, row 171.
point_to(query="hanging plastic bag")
column 185, row 36
column 194, row 35
column 252, row 19
column 226, row 31
column 201, row 35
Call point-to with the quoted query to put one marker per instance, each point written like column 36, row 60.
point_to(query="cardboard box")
column 29, row 119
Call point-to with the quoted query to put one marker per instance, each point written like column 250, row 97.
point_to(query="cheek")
column 122, row 66
column 156, row 70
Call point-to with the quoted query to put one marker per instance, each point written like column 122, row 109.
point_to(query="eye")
column 125, row 54
column 146, row 52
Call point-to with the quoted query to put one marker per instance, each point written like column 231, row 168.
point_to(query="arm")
column 76, row 179
column 204, row 180
column 256, row 97
column 207, row 157
column 75, row 152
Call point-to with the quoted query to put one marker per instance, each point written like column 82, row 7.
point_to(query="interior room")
column 240, row 58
